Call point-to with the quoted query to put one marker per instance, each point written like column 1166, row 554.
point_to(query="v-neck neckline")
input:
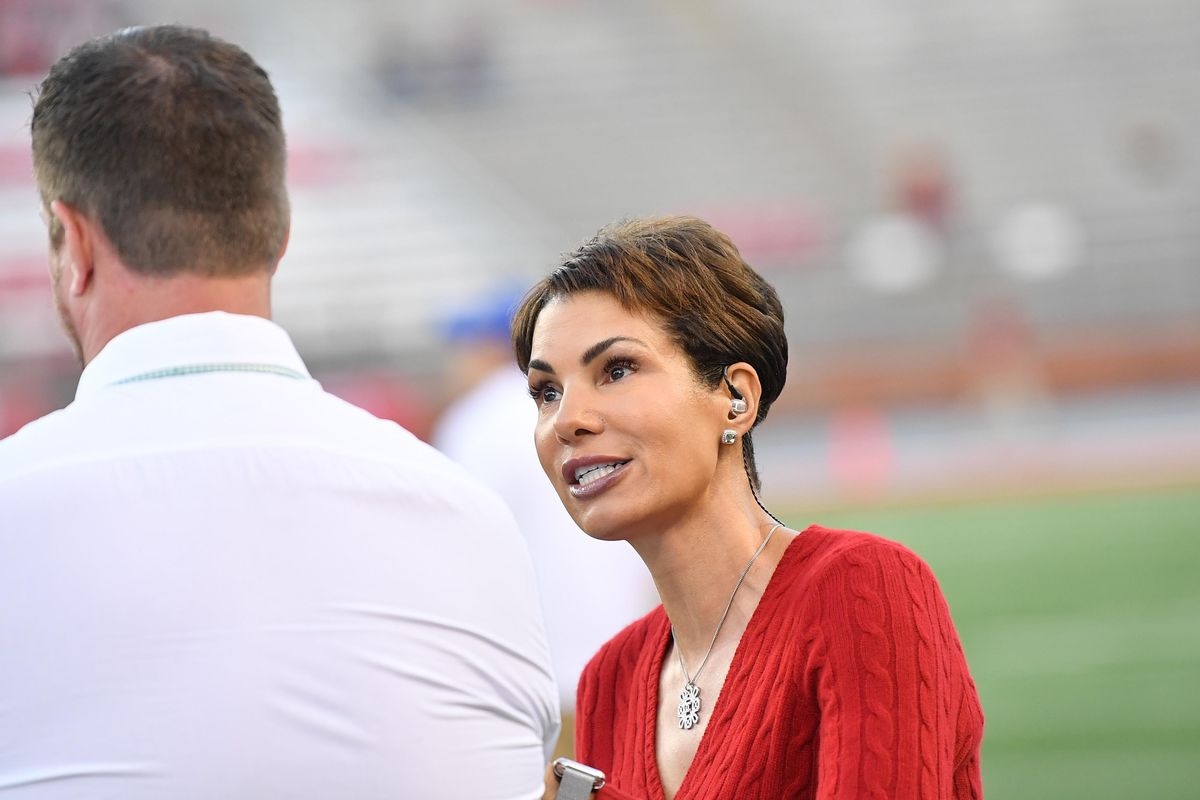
column 654, row 678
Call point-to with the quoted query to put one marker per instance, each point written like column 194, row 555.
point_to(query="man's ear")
column 78, row 250
column 287, row 237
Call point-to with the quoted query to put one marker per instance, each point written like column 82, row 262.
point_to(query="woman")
column 781, row 664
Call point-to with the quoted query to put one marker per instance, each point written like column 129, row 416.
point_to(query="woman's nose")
column 577, row 416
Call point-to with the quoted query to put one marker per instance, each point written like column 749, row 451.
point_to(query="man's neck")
column 152, row 299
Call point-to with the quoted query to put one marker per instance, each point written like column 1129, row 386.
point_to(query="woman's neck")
column 696, row 563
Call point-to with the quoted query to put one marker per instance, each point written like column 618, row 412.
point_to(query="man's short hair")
column 171, row 139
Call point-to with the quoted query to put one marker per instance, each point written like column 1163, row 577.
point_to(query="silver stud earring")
column 728, row 436
column 738, row 405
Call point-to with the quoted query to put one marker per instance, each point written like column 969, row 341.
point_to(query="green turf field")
column 1080, row 617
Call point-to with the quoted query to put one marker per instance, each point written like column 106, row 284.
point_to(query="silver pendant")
column 689, row 706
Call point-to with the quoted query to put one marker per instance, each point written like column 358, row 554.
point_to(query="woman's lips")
column 589, row 490
column 594, row 487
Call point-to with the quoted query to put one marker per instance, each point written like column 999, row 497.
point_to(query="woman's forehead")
column 575, row 322
column 589, row 311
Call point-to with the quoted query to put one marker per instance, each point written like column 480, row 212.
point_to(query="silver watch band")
column 576, row 781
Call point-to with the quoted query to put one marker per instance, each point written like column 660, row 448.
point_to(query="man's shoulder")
column 357, row 432
column 35, row 442
column 114, row 428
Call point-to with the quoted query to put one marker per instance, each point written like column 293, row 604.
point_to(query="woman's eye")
column 543, row 394
column 617, row 370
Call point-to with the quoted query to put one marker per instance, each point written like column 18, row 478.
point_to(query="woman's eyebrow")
column 589, row 355
column 595, row 350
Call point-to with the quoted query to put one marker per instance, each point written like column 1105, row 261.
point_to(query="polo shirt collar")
column 188, row 340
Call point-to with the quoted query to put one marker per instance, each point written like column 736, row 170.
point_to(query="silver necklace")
column 689, row 699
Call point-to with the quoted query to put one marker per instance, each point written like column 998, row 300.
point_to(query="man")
column 216, row 580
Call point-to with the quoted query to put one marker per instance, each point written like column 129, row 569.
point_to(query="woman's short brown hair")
column 688, row 275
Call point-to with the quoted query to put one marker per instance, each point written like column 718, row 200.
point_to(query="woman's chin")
column 601, row 526
column 606, row 535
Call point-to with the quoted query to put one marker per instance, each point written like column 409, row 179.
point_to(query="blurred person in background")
column 217, row 580
column 781, row 663
column 487, row 430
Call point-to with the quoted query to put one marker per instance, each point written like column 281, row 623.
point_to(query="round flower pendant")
column 689, row 706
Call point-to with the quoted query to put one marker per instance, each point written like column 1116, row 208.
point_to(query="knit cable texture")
column 849, row 682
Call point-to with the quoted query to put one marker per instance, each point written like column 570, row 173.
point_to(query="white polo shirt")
column 219, row 581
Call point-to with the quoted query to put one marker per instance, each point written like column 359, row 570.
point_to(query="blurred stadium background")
column 982, row 219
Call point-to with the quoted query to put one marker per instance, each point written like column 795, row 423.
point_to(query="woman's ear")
column 745, row 389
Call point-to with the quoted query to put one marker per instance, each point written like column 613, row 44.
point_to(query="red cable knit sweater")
column 849, row 682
